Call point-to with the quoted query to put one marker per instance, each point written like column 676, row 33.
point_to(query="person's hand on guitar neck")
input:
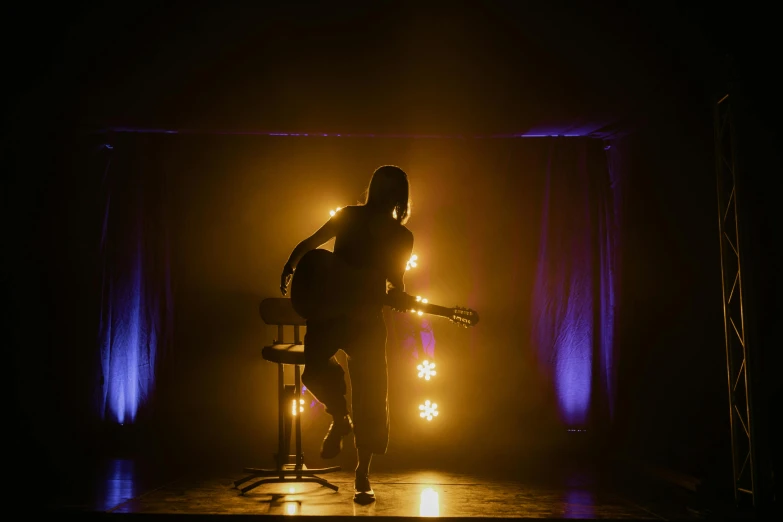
column 397, row 299
column 285, row 278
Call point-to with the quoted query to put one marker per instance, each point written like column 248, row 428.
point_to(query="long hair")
column 389, row 191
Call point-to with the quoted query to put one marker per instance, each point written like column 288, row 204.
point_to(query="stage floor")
column 122, row 487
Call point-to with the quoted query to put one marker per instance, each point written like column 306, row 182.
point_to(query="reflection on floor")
column 124, row 487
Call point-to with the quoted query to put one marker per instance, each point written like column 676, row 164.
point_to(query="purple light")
column 427, row 338
column 532, row 134
column 123, row 342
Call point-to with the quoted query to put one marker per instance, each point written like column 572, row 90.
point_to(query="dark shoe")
column 333, row 442
column 363, row 493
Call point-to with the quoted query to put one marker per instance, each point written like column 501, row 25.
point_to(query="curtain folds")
column 136, row 310
column 574, row 307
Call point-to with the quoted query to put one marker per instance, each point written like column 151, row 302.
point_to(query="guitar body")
column 325, row 287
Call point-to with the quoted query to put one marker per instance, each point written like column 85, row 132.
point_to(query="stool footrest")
column 291, row 470
column 278, row 476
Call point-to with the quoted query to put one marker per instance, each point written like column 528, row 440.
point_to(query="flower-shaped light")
column 426, row 370
column 428, row 410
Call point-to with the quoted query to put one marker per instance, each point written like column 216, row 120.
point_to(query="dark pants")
column 364, row 341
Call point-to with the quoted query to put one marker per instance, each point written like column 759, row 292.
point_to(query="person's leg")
column 325, row 379
column 369, row 390
column 326, row 382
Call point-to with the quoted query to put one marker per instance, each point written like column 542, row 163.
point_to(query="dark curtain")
column 574, row 298
column 136, row 300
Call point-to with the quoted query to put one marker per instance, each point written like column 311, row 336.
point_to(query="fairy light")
column 293, row 406
column 335, row 211
column 411, row 262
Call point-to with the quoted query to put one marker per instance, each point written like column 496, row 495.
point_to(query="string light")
column 411, row 262
column 335, row 211
column 419, row 299
column 293, row 406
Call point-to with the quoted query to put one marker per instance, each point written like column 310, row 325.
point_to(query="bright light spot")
column 293, row 406
column 426, row 370
column 290, row 490
column 291, row 508
column 428, row 410
column 411, row 262
column 335, row 211
column 429, row 506
column 420, row 313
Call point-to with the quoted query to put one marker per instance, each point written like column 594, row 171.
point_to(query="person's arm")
column 327, row 231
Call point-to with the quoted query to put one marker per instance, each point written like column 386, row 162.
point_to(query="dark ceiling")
column 492, row 67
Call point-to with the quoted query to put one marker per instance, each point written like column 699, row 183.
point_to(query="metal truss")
column 743, row 450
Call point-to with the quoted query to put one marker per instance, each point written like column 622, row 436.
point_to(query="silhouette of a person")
column 370, row 237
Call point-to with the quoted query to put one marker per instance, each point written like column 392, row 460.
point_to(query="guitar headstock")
column 464, row 316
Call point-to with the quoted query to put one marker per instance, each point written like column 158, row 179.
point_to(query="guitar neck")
column 407, row 303
column 412, row 305
column 432, row 309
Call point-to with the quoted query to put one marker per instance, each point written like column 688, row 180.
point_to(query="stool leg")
column 289, row 423
column 282, row 455
column 298, row 396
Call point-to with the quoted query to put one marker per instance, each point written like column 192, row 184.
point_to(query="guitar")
column 325, row 287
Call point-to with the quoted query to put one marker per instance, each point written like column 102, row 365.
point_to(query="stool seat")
column 284, row 353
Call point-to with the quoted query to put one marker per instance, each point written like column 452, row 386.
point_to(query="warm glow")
column 291, row 508
column 411, row 262
column 428, row 410
column 429, row 506
column 293, row 406
column 426, row 370
column 335, row 211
